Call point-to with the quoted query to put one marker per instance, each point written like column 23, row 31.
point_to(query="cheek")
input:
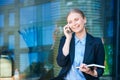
column 81, row 21
column 70, row 25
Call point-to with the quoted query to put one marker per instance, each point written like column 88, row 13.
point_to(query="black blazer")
column 94, row 54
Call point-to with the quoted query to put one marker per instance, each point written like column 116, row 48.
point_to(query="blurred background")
column 30, row 31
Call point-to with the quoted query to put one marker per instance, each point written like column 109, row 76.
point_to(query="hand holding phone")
column 68, row 29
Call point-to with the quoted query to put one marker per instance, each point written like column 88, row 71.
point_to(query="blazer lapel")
column 72, row 48
column 89, row 41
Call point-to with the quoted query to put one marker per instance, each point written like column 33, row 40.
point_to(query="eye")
column 76, row 19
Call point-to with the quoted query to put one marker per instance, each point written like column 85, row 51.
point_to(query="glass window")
column 44, row 17
column 22, row 42
column 1, row 40
column 11, row 42
column 28, row 28
column 6, row 2
column 1, row 20
column 26, row 18
column 32, row 63
column 21, row 0
column 24, row 61
column 27, row 2
column 29, row 36
column 11, row 19
column 48, row 35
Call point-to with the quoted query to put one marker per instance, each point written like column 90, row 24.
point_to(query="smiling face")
column 76, row 22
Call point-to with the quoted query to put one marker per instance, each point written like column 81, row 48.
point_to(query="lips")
column 76, row 26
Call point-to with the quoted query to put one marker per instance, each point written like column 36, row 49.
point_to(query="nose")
column 74, row 23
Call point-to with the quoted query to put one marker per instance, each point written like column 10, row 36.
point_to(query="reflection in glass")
column 24, row 61
column 32, row 64
column 11, row 19
column 29, row 35
column 6, row 2
column 22, row 42
column 26, row 18
column 36, row 35
column 11, row 42
column 1, row 40
column 1, row 20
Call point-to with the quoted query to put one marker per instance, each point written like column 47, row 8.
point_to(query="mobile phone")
column 69, row 31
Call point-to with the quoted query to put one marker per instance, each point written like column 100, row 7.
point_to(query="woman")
column 78, row 48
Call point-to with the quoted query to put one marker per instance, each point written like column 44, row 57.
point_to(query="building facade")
column 30, row 31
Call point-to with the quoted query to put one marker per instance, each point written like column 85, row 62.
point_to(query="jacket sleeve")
column 100, row 56
column 61, row 59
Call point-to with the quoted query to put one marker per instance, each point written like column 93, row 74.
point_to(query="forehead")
column 73, row 15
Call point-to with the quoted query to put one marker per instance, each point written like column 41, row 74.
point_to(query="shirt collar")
column 83, row 40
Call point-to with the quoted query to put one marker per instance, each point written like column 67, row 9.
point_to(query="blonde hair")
column 76, row 11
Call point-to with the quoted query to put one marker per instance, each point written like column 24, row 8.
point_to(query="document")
column 94, row 65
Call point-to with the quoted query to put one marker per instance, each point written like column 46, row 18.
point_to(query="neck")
column 80, row 35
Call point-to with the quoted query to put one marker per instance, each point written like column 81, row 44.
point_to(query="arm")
column 62, row 59
column 64, row 46
column 68, row 35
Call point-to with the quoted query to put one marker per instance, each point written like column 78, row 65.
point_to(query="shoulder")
column 62, row 38
column 96, row 40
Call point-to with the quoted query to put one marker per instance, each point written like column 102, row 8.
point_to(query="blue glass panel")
column 110, row 29
column 1, row 40
column 32, row 64
column 46, row 12
column 11, row 19
column 26, row 18
column 48, row 35
column 1, row 20
column 55, row 10
column 22, row 42
column 6, row 2
column 24, row 61
column 29, row 36
column 11, row 42
column 22, row 0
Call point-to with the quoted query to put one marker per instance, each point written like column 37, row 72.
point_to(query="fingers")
column 95, row 68
column 67, row 28
column 84, row 68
